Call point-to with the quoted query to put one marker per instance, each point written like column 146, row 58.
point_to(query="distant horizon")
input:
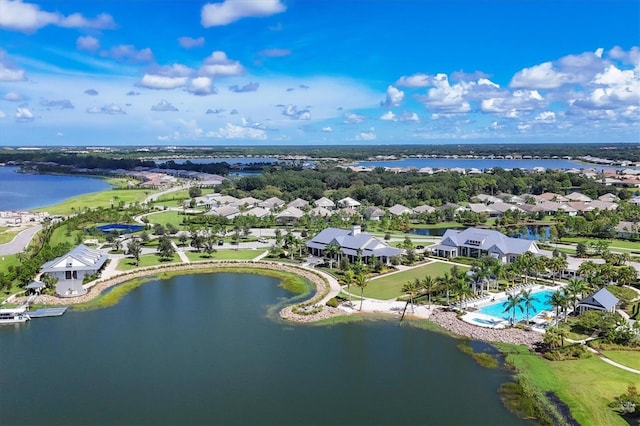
column 286, row 72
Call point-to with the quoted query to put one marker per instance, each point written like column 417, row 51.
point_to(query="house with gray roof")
column 476, row 242
column 353, row 243
column 258, row 212
column 320, row 211
column 373, row 213
column 627, row 230
column 225, row 211
column 299, row 203
column 71, row 268
column 424, row 209
column 602, row 300
column 324, row 202
column 288, row 215
column 348, row 202
column 399, row 210
column 272, row 203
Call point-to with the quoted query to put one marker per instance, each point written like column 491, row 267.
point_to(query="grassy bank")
column 586, row 386
column 97, row 199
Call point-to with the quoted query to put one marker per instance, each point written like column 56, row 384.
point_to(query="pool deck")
column 540, row 320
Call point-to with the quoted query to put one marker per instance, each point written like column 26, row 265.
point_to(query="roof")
column 601, row 299
column 424, row 209
column 578, row 196
column 257, row 212
column 324, row 202
column 486, row 239
column 399, row 210
column 299, row 203
column 351, row 241
column 291, row 212
column 272, row 202
column 35, row 285
column 78, row 258
column 320, row 211
column 348, row 202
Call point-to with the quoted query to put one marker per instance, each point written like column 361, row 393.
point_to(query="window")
column 67, row 275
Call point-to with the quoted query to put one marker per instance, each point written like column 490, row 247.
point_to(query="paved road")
column 20, row 241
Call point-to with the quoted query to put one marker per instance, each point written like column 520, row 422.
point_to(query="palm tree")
column 411, row 288
column 557, row 264
column 134, row 248
column 527, row 300
column 361, row 282
column 553, row 338
column 462, row 289
column 513, row 302
column 331, row 251
column 558, row 300
column 429, row 284
column 626, row 275
column 445, row 281
column 574, row 290
column 348, row 278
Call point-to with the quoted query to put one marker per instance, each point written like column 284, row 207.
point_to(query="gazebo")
column 602, row 300
column 35, row 287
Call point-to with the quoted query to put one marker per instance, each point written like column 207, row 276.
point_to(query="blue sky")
column 302, row 72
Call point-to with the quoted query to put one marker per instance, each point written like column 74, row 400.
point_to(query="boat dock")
column 47, row 312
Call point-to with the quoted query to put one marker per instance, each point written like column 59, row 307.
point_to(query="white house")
column 71, row 268
column 476, row 242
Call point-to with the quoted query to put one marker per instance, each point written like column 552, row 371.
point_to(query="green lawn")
column 7, row 234
column 164, row 218
column 614, row 243
column 97, row 199
column 226, row 254
column 586, row 386
column 628, row 358
column 390, row 286
column 6, row 261
column 62, row 235
column 151, row 259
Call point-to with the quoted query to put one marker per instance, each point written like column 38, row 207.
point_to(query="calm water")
column 203, row 349
column 540, row 303
column 529, row 232
column 19, row 191
column 449, row 163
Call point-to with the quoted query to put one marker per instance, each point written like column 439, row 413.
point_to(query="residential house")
column 476, row 242
column 602, row 300
column 578, row 196
column 348, row 202
column 324, row 202
column 225, row 211
column 628, row 230
column 609, row 198
column 399, row 210
column 354, row 244
column 258, row 212
column 424, row 209
column 223, row 200
column 299, row 203
column 247, row 202
column 501, row 208
column 482, row 208
column 320, row 211
column 272, row 203
column 70, row 269
column 289, row 215
column 373, row 213
column 485, row 198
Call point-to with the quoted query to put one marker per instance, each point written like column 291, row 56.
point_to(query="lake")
column 481, row 164
column 21, row 191
column 527, row 232
column 210, row 349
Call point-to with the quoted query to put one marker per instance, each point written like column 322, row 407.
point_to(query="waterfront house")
column 353, row 243
column 476, row 242
column 602, row 300
column 71, row 268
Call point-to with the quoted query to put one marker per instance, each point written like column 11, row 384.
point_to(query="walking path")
column 181, row 254
column 20, row 241
column 610, row 361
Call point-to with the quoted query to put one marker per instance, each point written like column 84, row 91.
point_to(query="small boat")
column 14, row 315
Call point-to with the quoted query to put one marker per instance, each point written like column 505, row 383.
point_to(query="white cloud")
column 327, row 129
column 249, row 87
column 13, row 97
column 28, row 18
column 24, row 115
column 542, row 76
column 611, row 89
column 366, row 136
column 153, row 81
column 394, row 97
column 294, row 113
column 546, row 117
column 163, row 105
column 190, row 42
column 216, row 14
column 111, row 109
column 129, row 53
column 415, row 80
column 59, row 104
column 231, row 131
column 405, row 117
column 446, row 98
column 352, row 118
column 88, row 43
column 2, row 114
column 388, row 116
column 218, row 64
column 201, row 86
column 510, row 103
column 7, row 71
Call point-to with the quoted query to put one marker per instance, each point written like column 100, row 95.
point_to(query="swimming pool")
column 540, row 303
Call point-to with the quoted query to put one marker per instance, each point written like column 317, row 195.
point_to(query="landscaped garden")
column 226, row 254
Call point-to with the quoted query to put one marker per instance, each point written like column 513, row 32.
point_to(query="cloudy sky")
column 318, row 72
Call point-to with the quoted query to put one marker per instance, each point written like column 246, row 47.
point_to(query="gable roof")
column 299, row 203
column 351, row 241
column 348, row 202
column 486, row 239
column 602, row 299
column 324, row 202
column 79, row 258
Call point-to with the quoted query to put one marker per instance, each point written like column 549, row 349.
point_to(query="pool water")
column 540, row 303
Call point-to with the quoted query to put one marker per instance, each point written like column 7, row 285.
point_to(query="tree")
column 165, row 248
column 558, row 300
column 581, row 250
column 626, row 275
column 510, row 305
column 209, row 244
column 411, row 288
column 574, row 291
column 429, row 285
column 195, row 191
column 348, row 278
column 552, row 338
column 556, row 265
column 331, row 251
column 462, row 288
column 134, row 248
column 445, row 282
column 361, row 282
column 527, row 300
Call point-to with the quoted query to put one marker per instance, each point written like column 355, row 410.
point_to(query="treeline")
column 385, row 189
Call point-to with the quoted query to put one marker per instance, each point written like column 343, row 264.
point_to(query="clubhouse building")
column 476, row 242
column 71, row 268
column 353, row 243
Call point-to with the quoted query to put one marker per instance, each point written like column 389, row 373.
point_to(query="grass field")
column 97, row 199
column 628, row 358
column 7, row 234
column 614, row 243
column 390, row 286
column 152, row 259
column 246, row 254
column 6, row 261
column 164, row 218
column 586, row 386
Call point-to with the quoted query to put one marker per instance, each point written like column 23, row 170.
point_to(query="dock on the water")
column 47, row 312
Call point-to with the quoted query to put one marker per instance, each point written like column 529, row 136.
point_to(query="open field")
column 586, row 386
column 225, row 254
column 390, row 286
column 152, row 259
column 628, row 358
column 97, row 199
column 613, row 243
column 7, row 234
column 165, row 218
